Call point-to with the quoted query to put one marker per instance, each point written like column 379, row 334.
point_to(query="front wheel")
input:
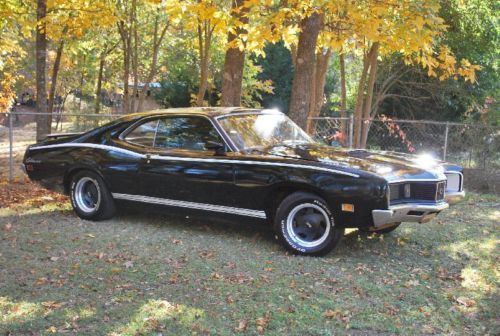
column 304, row 224
column 90, row 197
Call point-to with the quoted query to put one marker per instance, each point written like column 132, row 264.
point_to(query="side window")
column 185, row 133
column 144, row 134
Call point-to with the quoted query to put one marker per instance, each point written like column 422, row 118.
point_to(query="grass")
column 154, row 274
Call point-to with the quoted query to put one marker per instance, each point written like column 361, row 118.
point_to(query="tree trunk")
column 343, row 95
column 157, row 40
column 343, row 90
column 125, row 30
column 204, row 42
column 369, row 94
column 318, row 86
column 358, row 109
column 43, row 122
column 80, row 90
column 98, row 91
column 304, row 70
column 293, row 55
column 125, row 38
column 53, row 82
column 135, row 64
column 126, row 75
column 234, row 61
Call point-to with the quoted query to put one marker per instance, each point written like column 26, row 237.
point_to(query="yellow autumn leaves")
column 412, row 28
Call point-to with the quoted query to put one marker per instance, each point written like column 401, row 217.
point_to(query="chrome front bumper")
column 409, row 212
column 454, row 197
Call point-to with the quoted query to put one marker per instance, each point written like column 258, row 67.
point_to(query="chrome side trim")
column 192, row 205
column 441, row 179
column 91, row 145
column 400, row 213
column 179, row 158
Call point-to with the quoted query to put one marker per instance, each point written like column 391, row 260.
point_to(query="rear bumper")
column 454, row 197
column 410, row 212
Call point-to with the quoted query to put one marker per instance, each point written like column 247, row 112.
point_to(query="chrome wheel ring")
column 308, row 225
column 87, row 194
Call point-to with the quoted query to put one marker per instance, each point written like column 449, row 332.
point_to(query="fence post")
column 351, row 129
column 445, row 147
column 11, row 140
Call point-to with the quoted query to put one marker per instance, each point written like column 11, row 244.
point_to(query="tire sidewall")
column 281, row 225
column 98, row 182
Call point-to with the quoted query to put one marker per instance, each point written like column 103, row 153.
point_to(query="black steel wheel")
column 305, row 225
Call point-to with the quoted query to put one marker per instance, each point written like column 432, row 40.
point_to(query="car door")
column 179, row 170
column 122, row 169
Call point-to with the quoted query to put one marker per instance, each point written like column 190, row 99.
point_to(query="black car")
column 243, row 162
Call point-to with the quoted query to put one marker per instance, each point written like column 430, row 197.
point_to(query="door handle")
column 148, row 158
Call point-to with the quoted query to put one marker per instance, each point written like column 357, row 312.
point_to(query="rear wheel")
column 380, row 231
column 305, row 225
column 90, row 197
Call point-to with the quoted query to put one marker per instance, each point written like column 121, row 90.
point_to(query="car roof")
column 208, row 111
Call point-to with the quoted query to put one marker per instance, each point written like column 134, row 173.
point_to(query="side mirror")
column 215, row 146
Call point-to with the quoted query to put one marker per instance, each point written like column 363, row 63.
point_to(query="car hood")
column 390, row 165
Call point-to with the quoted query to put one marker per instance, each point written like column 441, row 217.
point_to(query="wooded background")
column 410, row 59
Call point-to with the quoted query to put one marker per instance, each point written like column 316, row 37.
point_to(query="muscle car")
column 243, row 162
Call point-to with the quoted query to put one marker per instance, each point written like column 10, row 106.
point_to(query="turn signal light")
column 347, row 207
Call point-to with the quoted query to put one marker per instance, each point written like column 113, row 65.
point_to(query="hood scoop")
column 359, row 153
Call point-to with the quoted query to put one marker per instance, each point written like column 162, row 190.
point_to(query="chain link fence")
column 476, row 147
column 18, row 130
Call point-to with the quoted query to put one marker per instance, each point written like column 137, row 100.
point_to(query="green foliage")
column 253, row 89
column 473, row 33
column 276, row 66
column 178, row 72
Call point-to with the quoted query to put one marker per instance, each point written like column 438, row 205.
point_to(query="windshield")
column 263, row 130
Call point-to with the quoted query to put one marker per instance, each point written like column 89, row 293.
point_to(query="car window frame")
column 242, row 113
column 144, row 120
column 136, row 125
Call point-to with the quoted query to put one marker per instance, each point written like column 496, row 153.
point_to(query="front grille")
column 420, row 191
column 394, row 191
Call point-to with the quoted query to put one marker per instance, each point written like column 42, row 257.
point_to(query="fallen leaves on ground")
column 465, row 301
column 262, row 322
column 242, row 326
column 23, row 191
